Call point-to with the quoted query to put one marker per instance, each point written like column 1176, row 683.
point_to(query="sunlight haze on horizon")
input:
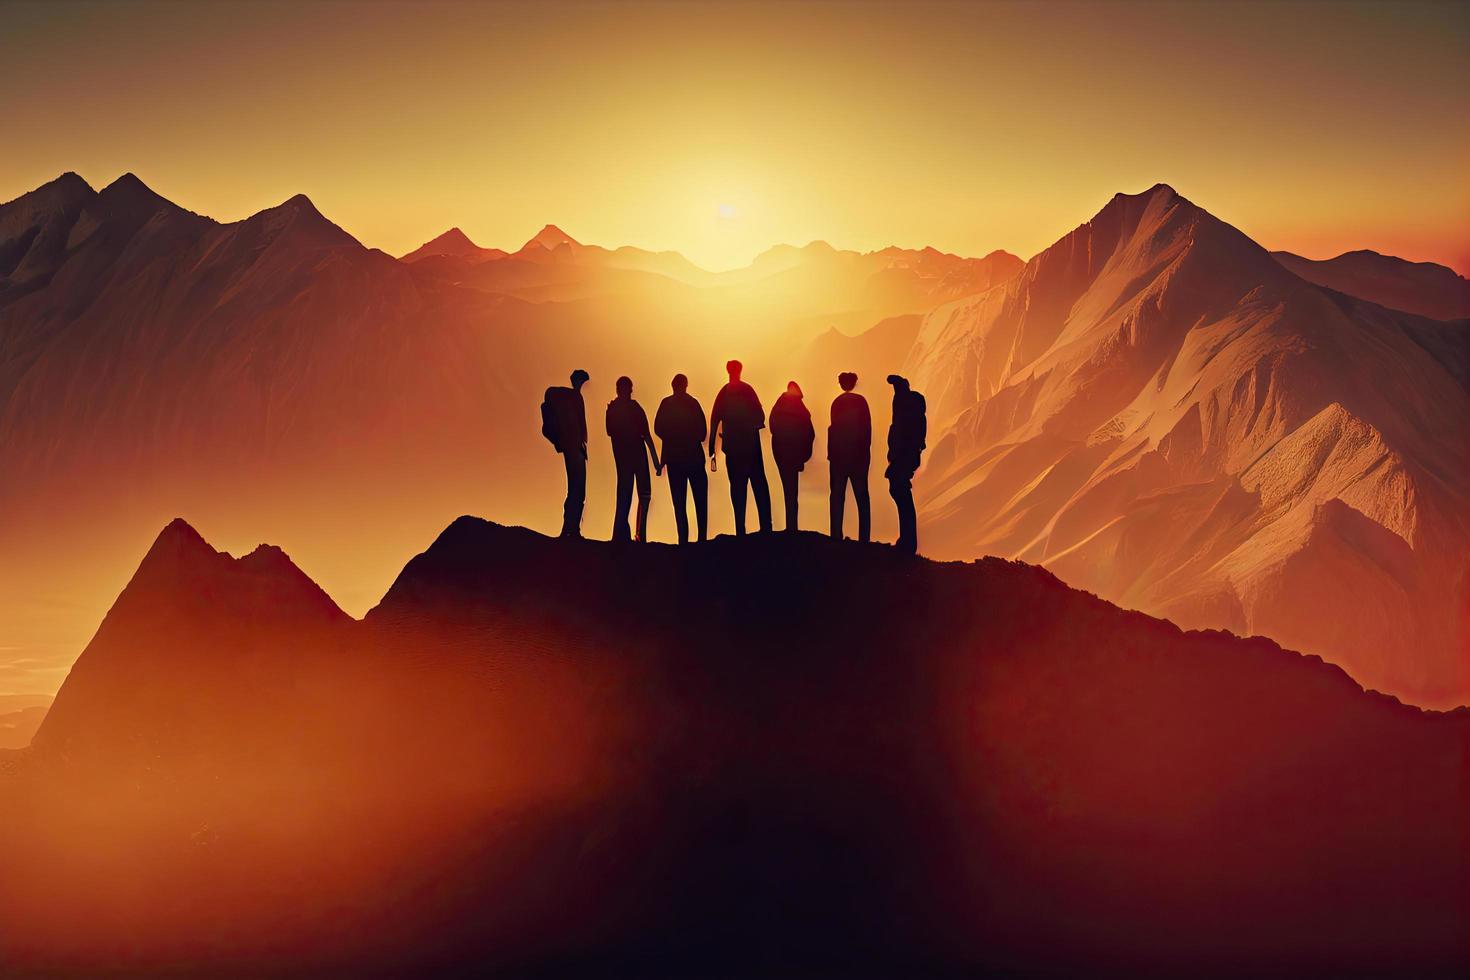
column 719, row 130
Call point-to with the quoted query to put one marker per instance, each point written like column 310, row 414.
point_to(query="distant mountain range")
column 20, row 717
column 1415, row 287
column 780, row 754
column 1154, row 407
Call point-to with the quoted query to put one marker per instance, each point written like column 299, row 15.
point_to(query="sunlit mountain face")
column 1154, row 407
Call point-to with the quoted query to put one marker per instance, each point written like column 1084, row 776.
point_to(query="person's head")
column 794, row 389
column 899, row 383
column 848, row 380
column 734, row 367
column 680, row 384
column 625, row 386
column 579, row 378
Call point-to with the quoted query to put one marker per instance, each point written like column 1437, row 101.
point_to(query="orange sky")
column 1313, row 127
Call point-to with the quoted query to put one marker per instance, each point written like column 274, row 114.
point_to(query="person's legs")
column 864, row 503
column 678, row 486
column 571, row 511
column 645, row 495
column 699, row 481
column 789, row 478
column 620, row 530
column 761, row 488
column 837, row 488
column 738, row 478
column 901, row 488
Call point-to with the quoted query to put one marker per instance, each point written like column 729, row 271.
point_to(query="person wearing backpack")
column 905, row 446
column 680, row 424
column 564, row 424
column 791, row 443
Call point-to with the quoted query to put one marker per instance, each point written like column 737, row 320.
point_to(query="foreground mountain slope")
column 774, row 754
column 1159, row 411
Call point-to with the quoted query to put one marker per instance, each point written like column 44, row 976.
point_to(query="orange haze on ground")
column 719, row 129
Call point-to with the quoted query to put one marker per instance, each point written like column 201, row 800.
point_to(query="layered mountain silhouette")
column 780, row 754
column 1155, row 408
column 1424, row 288
column 1158, row 410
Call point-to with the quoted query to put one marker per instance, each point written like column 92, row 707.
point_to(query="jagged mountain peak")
column 453, row 243
column 129, row 196
column 70, row 179
column 67, row 191
column 454, row 238
column 178, row 545
column 182, row 562
column 550, row 237
column 128, row 183
column 299, row 217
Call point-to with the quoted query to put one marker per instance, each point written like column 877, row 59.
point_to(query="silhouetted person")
column 905, row 446
column 680, row 423
column 737, row 416
column 849, row 453
column 564, row 422
column 628, row 427
column 791, row 443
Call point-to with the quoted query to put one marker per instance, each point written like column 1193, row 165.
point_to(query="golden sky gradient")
column 1313, row 127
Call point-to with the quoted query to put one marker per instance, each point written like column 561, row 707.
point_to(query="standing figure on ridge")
column 849, row 452
column 628, row 427
column 791, row 443
column 905, row 446
column 738, row 417
column 564, row 423
column 679, row 422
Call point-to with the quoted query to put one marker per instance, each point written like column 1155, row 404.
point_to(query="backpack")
column 550, row 420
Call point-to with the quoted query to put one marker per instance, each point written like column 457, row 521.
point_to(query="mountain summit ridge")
column 828, row 741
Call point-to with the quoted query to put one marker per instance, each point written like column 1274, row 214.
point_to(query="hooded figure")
column 791, row 443
column 737, row 417
column 905, row 445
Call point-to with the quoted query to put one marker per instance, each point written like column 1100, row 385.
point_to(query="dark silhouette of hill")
column 1425, row 288
column 775, row 755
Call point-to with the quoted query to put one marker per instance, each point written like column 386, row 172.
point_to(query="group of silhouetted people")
column 737, row 417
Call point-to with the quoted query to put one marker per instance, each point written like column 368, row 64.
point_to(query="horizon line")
column 1462, row 273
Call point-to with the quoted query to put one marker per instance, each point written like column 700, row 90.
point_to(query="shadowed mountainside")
column 1425, row 288
column 775, row 754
